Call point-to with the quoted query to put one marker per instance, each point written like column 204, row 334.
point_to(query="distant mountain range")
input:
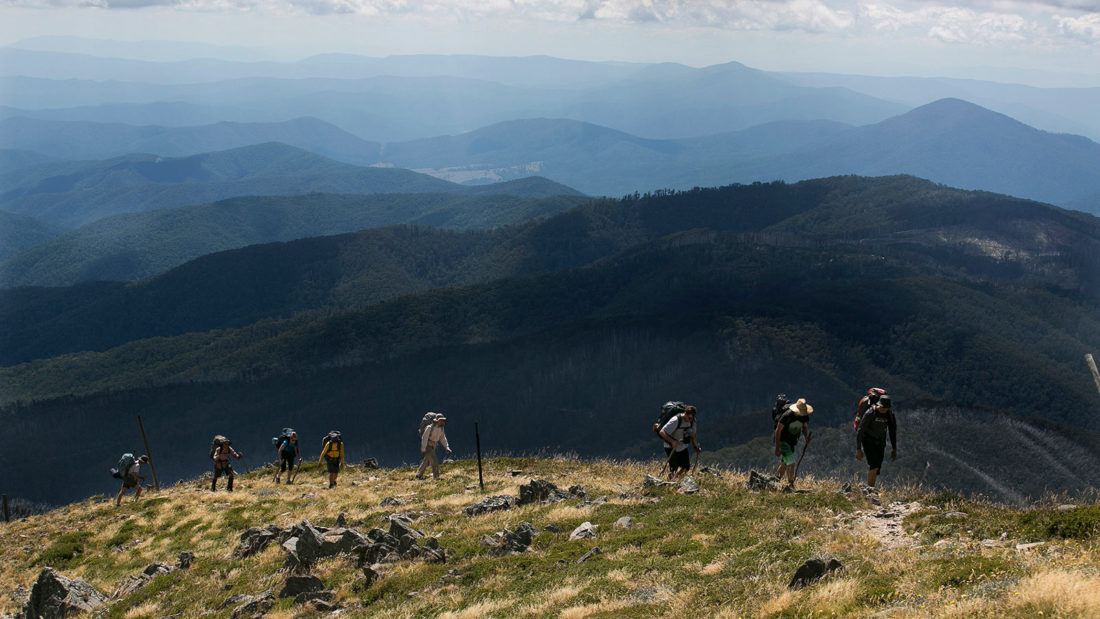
column 71, row 194
column 948, row 141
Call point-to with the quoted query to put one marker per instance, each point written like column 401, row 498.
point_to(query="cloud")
column 1085, row 28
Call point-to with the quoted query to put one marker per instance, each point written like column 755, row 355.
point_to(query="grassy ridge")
column 724, row 552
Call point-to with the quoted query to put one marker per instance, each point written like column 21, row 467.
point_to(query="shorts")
column 332, row 464
column 679, row 460
column 286, row 461
column 130, row 482
column 786, row 451
column 873, row 451
column 225, row 470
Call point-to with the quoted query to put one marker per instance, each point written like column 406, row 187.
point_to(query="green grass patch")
column 125, row 533
column 963, row 572
column 65, row 551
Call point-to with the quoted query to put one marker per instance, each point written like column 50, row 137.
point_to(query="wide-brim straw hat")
column 800, row 407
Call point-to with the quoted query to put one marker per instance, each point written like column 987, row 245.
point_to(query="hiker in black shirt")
column 871, row 438
column 789, row 427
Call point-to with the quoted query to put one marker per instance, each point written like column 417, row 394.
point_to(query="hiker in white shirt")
column 433, row 435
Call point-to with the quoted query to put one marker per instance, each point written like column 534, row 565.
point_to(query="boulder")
column 625, row 522
column 399, row 526
column 491, row 504
column 514, row 542
column 370, row 463
column 133, row 583
column 340, row 541
column 304, row 548
column 254, row 541
column 651, row 482
column 539, row 491
column 54, row 595
column 587, row 530
column 812, row 571
column 578, row 491
column 254, row 605
column 391, row 502
column 341, row 521
column 297, row 585
column 687, row 486
column 307, row 597
column 185, row 560
column 759, row 481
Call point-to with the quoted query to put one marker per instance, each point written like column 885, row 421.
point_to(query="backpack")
column 124, row 464
column 866, row 403
column 668, row 409
column 425, row 421
column 332, row 438
column 218, row 441
column 781, row 405
column 285, row 435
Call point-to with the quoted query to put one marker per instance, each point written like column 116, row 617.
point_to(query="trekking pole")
column 152, row 467
column 804, row 446
column 696, row 463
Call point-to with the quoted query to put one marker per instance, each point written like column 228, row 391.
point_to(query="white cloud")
column 1085, row 28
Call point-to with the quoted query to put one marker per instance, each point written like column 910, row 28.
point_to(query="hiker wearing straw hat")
column 793, row 424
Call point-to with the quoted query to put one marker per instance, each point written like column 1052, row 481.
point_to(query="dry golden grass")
column 729, row 554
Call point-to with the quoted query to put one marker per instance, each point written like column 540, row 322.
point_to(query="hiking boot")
column 276, row 479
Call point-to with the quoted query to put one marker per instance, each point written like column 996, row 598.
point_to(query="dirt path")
column 885, row 523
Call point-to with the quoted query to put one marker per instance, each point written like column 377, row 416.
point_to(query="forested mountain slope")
column 722, row 297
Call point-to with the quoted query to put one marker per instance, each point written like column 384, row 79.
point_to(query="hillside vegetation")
column 722, row 297
column 721, row 550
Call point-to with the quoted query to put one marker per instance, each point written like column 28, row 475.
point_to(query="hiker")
column 220, row 450
column 288, row 452
column 876, row 423
column 131, row 478
column 677, row 432
column 865, row 404
column 432, row 436
column 791, row 425
column 332, row 455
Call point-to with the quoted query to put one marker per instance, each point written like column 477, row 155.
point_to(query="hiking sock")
column 229, row 486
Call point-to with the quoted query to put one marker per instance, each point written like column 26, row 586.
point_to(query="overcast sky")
column 977, row 38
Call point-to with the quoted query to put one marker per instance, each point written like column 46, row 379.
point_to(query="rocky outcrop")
column 491, row 504
column 812, row 571
column 54, row 595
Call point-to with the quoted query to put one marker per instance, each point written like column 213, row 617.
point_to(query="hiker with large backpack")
column 332, row 455
column 678, row 432
column 288, row 451
column 432, row 434
column 791, row 425
column 866, row 403
column 220, row 450
column 129, row 471
column 877, row 423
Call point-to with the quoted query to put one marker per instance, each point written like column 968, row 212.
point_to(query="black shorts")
column 287, row 461
column 679, row 460
column 873, row 451
column 332, row 465
column 225, row 470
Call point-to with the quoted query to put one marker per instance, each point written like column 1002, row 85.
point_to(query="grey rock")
column 185, row 560
column 955, row 515
column 553, row 528
column 515, row 542
column 374, row 553
column 594, row 502
column 588, row 555
column 254, row 606
column 341, row 521
column 297, row 585
column 688, row 486
column 391, row 502
column 540, row 491
column 587, row 530
column 399, row 526
column 578, row 491
column 379, row 536
column 651, row 482
column 1066, row 508
column 309, row 596
column 491, row 504
column 710, row 471
column 370, row 576
column 370, row 463
column 812, row 571
column 305, row 547
column 342, row 541
column 253, row 541
column 759, row 481
column 625, row 522
column 54, row 595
